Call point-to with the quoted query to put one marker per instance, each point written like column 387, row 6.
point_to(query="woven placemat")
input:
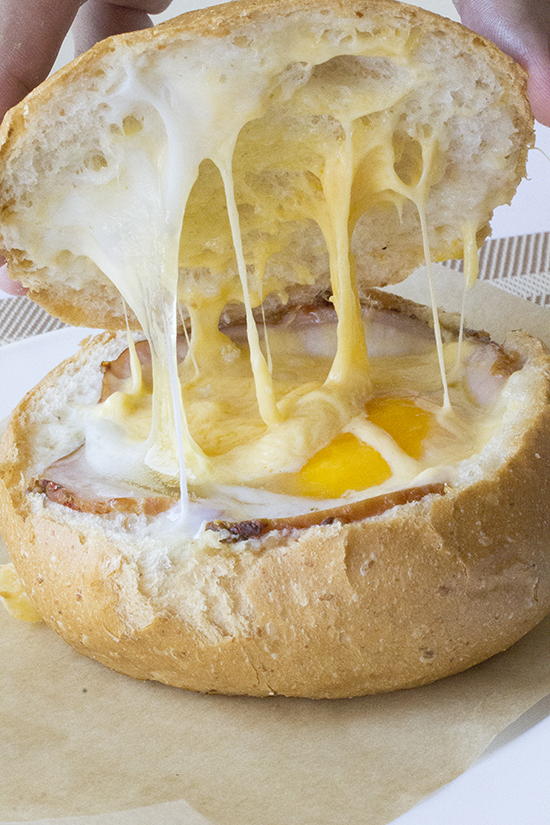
column 21, row 318
column 520, row 265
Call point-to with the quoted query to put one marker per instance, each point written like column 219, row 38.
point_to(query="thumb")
column 6, row 283
column 522, row 30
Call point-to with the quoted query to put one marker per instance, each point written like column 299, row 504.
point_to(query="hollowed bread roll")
column 352, row 495
column 357, row 604
column 445, row 115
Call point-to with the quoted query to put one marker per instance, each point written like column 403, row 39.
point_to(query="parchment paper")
column 78, row 739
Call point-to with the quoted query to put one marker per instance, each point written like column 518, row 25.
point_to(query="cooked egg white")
column 292, row 418
column 400, row 436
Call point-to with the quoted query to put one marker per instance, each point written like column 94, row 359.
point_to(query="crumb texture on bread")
column 330, row 612
column 423, row 590
column 249, row 158
column 443, row 125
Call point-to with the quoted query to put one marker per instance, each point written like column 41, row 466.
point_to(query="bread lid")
column 287, row 111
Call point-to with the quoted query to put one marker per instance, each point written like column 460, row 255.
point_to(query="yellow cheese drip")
column 15, row 598
column 350, row 369
column 471, row 256
column 471, row 271
column 260, row 370
column 220, row 167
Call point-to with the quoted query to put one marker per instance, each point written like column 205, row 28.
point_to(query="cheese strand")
column 418, row 194
column 471, row 272
column 350, row 368
column 435, row 313
column 135, row 365
column 179, row 419
column 262, row 377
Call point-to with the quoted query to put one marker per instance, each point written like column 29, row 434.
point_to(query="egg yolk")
column 407, row 424
column 344, row 464
column 349, row 464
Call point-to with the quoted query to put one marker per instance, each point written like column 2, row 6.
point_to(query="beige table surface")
column 84, row 746
column 229, row 736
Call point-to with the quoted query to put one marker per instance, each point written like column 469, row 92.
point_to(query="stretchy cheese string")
column 471, row 272
column 418, row 194
column 180, row 513
column 135, row 365
column 154, row 299
column 260, row 273
column 350, row 369
column 437, row 326
column 190, row 353
column 260, row 370
column 471, row 258
column 268, row 355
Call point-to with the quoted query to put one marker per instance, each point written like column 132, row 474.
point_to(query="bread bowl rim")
column 228, row 658
column 238, row 666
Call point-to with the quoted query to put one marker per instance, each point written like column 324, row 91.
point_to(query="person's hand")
column 31, row 34
column 521, row 28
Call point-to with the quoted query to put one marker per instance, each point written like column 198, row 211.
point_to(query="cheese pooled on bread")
column 287, row 479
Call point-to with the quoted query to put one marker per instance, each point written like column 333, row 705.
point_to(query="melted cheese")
column 15, row 598
column 404, row 432
column 190, row 179
column 350, row 369
column 471, row 271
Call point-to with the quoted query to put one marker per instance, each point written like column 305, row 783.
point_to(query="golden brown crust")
column 385, row 604
column 93, row 303
column 222, row 21
column 421, row 591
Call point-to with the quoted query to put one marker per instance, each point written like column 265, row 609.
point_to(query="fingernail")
column 8, row 285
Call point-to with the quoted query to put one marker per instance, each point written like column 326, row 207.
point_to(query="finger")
column 31, row 34
column 538, row 88
column 9, row 286
column 522, row 30
column 98, row 19
column 148, row 6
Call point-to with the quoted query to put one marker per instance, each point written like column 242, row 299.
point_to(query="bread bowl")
column 309, row 123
